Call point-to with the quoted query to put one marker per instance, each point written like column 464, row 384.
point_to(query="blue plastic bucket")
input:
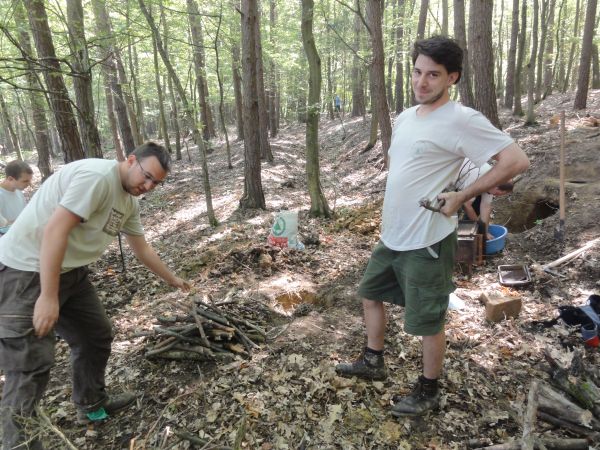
column 495, row 245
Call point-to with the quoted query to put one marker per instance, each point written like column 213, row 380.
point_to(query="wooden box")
column 470, row 244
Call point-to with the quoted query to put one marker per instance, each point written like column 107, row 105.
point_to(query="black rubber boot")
column 421, row 400
column 369, row 366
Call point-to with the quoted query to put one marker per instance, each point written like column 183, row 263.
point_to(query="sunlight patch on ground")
column 286, row 283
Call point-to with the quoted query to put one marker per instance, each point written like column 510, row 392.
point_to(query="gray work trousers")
column 26, row 359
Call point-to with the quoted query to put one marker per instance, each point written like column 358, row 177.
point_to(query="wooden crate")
column 470, row 244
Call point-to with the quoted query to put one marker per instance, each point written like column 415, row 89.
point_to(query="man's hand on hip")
column 45, row 315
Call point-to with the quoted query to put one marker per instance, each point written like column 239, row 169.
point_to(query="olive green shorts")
column 420, row 280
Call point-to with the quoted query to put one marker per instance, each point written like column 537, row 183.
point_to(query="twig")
column 529, row 420
column 199, row 324
column 40, row 412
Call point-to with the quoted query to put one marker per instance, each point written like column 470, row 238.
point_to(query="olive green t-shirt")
column 89, row 188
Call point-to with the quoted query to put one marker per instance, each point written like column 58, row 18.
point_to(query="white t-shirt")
column 89, row 188
column 425, row 156
column 11, row 205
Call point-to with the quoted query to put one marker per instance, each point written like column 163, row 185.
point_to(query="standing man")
column 12, row 200
column 44, row 283
column 413, row 263
column 337, row 103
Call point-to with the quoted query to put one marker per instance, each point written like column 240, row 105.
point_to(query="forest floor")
column 286, row 395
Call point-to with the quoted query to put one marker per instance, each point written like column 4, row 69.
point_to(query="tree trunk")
column 544, row 31
column 133, row 70
column 237, row 90
column 106, row 42
column 571, row 58
column 59, row 97
column 480, row 43
column 390, row 61
column 358, row 93
column 329, row 101
column 189, row 113
column 12, row 136
column 595, row 68
column 499, row 53
column 220, row 81
column 36, row 98
column 399, row 87
column 464, row 85
column 583, row 80
column 162, row 118
column 374, row 13
column 173, row 115
column 253, row 193
column 318, row 203
column 531, row 67
column 512, row 57
column 548, row 69
column 265, row 146
column 518, row 109
column 82, row 82
column 273, row 90
column 422, row 19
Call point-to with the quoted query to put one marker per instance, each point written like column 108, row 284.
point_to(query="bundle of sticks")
column 202, row 332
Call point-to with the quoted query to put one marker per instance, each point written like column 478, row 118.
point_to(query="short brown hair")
column 16, row 168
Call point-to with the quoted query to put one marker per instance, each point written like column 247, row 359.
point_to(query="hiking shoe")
column 368, row 366
column 418, row 402
column 111, row 406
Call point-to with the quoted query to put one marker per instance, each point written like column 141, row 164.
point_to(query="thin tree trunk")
column 399, row 85
column 162, row 118
column 531, row 67
column 273, row 90
column 512, row 57
column 390, row 61
column 82, row 82
column 518, row 109
column 329, row 86
column 548, row 65
column 265, row 146
column 189, row 113
column 358, row 96
column 318, row 203
column 237, row 90
column 499, row 55
column 464, row 85
column 12, row 135
column 253, row 196
column 595, row 68
column 133, row 70
column 374, row 13
column 444, row 17
column 422, row 19
column 59, row 97
column 544, row 31
column 174, row 115
column 220, row 81
column 571, row 58
column 583, row 79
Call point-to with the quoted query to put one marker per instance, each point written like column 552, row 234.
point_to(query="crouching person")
column 44, row 283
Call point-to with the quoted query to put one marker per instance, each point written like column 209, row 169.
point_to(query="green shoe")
column 368, row 366
column 418, row 402
column 111, row 406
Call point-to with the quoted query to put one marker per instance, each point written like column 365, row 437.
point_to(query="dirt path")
column 287, row 395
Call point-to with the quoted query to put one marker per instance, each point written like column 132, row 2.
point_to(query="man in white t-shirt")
column 413, row 263
column 44, row 283
column 479, row 208
column 12, row 201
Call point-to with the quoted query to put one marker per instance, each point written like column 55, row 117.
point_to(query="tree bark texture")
column 548, row 63
column 253, row 196
column 422, row 19
column 399, row 82
column 531, row 66
column 12, row 135
column 509, row 91
column 273, row 89
column 583, row 79
column 374, row 14
column 318, row 204
column 358, row 90
column 464, row 85
column 59, row 97
column 36, row 98
column 571, row 57
column 263, row 124
column 518, row 108
column 237, row 90
column 82, row 81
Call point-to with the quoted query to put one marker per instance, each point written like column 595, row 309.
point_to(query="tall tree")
column 253, row 196
column 574, row 43
column 358, row 89
column 57, row 90
column 220, row 82
column 509, row 90
column 398, row 89
column 237, row 89
column 188, row 110
column 273, row 83
column 422, row 19
column 172, row 97
column 544, row 32
column 318, row 203
column 480, row 43
column 531, row 67
column 13, row 138
column 464, row 85
column 518, row 108
column 36, row 97
column 108, row 44
column 82, row 81
column 374, row 12
column 583, row 79
column 263, row 124
column 548, row 64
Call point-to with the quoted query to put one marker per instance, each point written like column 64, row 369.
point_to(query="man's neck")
column 426, row 109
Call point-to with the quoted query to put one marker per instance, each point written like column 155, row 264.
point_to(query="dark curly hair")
column 443, row 50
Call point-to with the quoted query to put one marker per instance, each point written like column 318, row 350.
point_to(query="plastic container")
column 495, row 245
column 514, row 275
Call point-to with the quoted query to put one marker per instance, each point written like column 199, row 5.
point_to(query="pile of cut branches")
column 203, row 332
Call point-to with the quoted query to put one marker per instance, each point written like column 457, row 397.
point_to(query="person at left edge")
column 44, row 283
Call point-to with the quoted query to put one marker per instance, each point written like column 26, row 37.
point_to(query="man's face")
column 143, row 175
column 430, row 81
column 23, row 182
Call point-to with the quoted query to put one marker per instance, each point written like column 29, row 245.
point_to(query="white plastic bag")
column 284, row 232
